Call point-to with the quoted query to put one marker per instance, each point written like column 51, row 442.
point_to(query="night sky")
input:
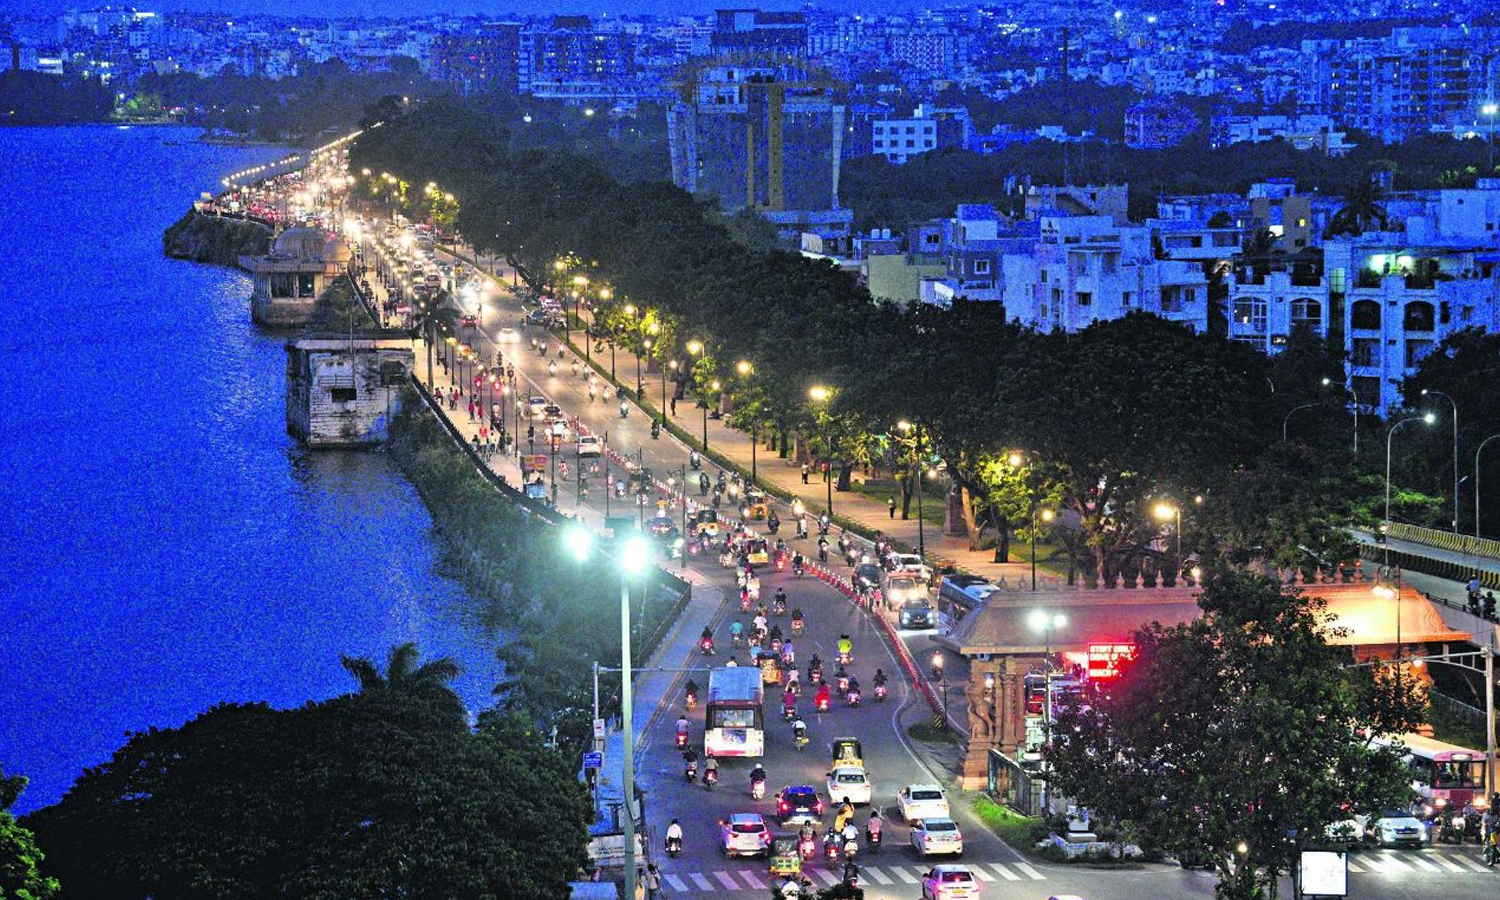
column 417, row 8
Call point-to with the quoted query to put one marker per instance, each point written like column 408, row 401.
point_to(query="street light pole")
column 1477, row 451
column 1043, row 621
column 940, row 673
column 1286, row 420
column 1426, row 418
column 1454, row 403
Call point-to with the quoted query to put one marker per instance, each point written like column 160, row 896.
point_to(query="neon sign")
column 1105, row 660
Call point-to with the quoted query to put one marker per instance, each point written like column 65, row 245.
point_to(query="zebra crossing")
column 1396, row 862
column 881, row 874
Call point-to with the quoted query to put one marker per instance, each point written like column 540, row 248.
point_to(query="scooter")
column 851, row 850
column 692, row 700
column 706, row 647
column 852, row 698
column 799, row 739
column 691, row 772
column 807, row 847
column 758, row 789
column 710, row 778
column 789, row 713
column 879, row 693
column 674, row 847
column 872, row 838
column 797, row 625
column 624, row 409
column 682, row 740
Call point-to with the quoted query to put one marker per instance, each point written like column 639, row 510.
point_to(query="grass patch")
column 1446, row 726
column 927, row 730
column 883, row 489
column 1020, row 832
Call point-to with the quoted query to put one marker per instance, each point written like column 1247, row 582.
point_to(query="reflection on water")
column 166, row 546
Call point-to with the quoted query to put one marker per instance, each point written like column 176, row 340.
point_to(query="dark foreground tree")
column 375, row 794
column 1238, row 735
column 20, row 860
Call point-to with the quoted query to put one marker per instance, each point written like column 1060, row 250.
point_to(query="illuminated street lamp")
column 940, row 675
column 1166, row 512
column 631, row 556
column 820, row 394
column 1045, row 622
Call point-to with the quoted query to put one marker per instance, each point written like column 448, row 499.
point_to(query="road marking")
column 1392, row 864
column 904, row 875
column 1472, row 863
column 1004, row 872
column 751, row 880
column 1354, row 866
column 825, row 876
column 677, row 883
column 725, row 880
column 701, row 882
column 985, row 876
column 1449, row 864
column 1423, row 864
column 1029, row 872
column 876, row 875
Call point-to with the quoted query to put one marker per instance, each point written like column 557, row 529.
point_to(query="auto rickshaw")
column 639, row 482
column 784, row 859
column 755, row 505
column 848, row 752
column 757, row 552
column 770, row 669
column 704, row 521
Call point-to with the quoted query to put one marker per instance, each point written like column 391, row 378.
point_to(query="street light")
column 916, row 453
column 940, row 675
column 1355, row 406
column 1167, row 512
column 1426, row 419
column 745, row 370
column 1454, row 403
column 631, row 556
column 1287, row 419
column 820, row 394
column 1043, row 621
column 1047, row 516
column 1489, row 110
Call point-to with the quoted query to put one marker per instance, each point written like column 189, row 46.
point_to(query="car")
column 935, row 835
column 866, row 576
column 535, row 405
column 901, row 587
column 1397, row 828
column 1349, row 833
column 507, row 333
column 949, row 882
column 745, row 834
column 553, row 412
column 588, row 445
column 850, row 782
column 917, row 614
column 799, row 805
column 912, row 562
column 661, row 527
column 922, row 801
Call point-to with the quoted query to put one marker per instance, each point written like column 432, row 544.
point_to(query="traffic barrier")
column 1445, row 540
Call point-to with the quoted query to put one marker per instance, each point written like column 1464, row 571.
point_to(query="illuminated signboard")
column 1105, row 659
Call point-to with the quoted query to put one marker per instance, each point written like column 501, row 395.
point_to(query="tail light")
column 819, row 807
column 784, row 807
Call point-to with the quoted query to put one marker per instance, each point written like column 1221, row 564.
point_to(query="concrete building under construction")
column 764, row 135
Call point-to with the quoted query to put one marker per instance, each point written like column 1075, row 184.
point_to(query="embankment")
column 220, row 240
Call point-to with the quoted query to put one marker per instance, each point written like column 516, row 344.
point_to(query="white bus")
column 735, row 720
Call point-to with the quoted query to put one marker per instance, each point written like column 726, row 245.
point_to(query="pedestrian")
column 804, row 473
column 653, row 881
column 890, row 506
column 1489, row 605
column 640, row 884
column 674, row 406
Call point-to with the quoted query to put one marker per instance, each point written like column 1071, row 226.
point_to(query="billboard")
column 1323, row 873
column 1105, row 660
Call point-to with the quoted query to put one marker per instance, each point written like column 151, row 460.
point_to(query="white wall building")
column 900, row 139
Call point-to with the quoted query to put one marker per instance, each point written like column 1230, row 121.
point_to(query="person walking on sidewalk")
column 890, row 506
column 674, row 406
column 805, row 471
column 653, row 882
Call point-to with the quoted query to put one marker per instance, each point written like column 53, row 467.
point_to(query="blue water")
column 163, row 544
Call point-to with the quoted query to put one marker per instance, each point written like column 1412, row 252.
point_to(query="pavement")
column 894, row 759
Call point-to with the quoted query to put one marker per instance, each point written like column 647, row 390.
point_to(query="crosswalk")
column 1414, row 862
column 881, row 873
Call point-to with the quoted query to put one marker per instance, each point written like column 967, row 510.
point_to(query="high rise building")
column 482, row 61
column 754, row 31
column 571, row 50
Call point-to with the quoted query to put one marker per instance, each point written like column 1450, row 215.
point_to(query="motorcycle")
column 681, row 740
column 851, row 850
column 823, row 524
column 873, row 839
column 692, row 700
column 745, row 602
column 845, row 658
column 758, row 789
column 814, row 673
column 674, row 847
column 710, row 778
column 778, row 608
column 799, row 739
column 690, row 772
column 797, row 569
column 807, row 847
column 879, row 693
column 831, row 846
column 852, row 698
column 843, row 683
column 789, row 713
column 695, row 462
column 797, row 625
column 1491, row 854
column 738, row 638
column 624, row 409
column 821, row 704
column 706, row 647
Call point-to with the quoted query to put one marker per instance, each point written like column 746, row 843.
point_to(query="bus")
column 1444, row 775
column 958, row 595
column 735, row 723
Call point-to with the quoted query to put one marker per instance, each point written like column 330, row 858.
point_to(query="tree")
column 376, row 793
column 1361, row 212
column 431, row 680
column 1241, row 734
column 20, row 858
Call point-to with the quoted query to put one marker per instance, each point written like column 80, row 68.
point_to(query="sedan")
column 849, row 782
column 922, row 801
column 1396, row 829
column 745, row 834
column 949, row 882
column 935, row 835
column 589, row 446
column 535, row 405
column 866, row 576
column 798, row 805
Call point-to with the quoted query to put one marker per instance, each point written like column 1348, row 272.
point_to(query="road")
column 892, row 759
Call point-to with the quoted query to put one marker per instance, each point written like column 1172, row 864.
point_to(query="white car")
column 949, row 882
column 912, row 562
column 1399, row 829
column 588, row 445
column 935, row 835
column 535, row 405
column 507, row 333
column 922, row 801
column 746, row 834
column 851, row 782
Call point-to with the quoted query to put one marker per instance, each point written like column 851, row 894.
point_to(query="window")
column 1307, row 311
column 1415, row 350
column 1127, row 299
column 342, row 395
column 281, row 286
column 981, row 267
column 1250, row 312
column 1336, row 280
column 1364, row 352
column 1365, row 314
column 306, row 286
column 1419, row 316
column 1085, row 298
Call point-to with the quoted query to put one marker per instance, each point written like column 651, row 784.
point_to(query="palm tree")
column 403, row 675
column 1361, row 212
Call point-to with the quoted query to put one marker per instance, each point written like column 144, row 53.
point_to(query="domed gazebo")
column 301, row 264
